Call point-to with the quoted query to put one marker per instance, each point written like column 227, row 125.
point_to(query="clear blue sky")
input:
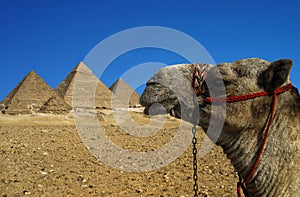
column 52, row 36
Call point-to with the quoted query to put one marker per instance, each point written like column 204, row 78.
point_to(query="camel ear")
column 276, row 74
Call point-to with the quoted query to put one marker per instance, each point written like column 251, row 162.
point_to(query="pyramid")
column 88, row 84
column 28, row 96
column 55, row 105
column 123, row 91
column 2, row 106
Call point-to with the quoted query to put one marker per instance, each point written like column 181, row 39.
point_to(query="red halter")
column 249, row 96
column 242, row 182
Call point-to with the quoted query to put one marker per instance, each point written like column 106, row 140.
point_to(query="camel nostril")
column 175, row 112
column 155, row 109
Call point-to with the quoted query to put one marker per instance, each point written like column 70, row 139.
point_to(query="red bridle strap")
column 199, row 77
column 244, row 97
column 241, row 184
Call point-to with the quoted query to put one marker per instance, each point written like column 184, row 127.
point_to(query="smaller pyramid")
column 55, row 105
column 127, row 95
column 28, row 96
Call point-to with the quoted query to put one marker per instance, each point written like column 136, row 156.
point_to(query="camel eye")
column 152, row 83
column 227, row 82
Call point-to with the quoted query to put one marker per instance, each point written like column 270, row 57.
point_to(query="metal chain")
column 195, row 176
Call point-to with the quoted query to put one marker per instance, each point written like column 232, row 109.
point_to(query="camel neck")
column 273, row 174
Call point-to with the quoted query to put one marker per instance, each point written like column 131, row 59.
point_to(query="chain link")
column 195, row 176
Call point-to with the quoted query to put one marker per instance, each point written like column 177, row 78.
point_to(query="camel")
column 261, row 130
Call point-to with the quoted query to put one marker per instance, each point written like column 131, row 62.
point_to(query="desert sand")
column 43, row 155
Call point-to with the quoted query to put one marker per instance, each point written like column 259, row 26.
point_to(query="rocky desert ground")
column 43, row 155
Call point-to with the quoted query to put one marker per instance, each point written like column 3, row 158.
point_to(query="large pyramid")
column 28, row 96
column 123, row 91
column 55, row 105
column 87, row 84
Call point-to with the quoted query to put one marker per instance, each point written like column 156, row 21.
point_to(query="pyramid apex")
column 81, row 67
column 32, row 72
column 119, row 82
column 81, row 63
column 120, row 79
column 32, row 75
column 116, row 83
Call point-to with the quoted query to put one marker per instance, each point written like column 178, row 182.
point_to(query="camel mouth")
column 158, row 99
column 159, row 109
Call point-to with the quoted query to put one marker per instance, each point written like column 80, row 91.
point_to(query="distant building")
column 125, row 93
column 28, row 96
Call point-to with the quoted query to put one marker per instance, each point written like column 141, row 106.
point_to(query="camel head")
column 170, row 90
